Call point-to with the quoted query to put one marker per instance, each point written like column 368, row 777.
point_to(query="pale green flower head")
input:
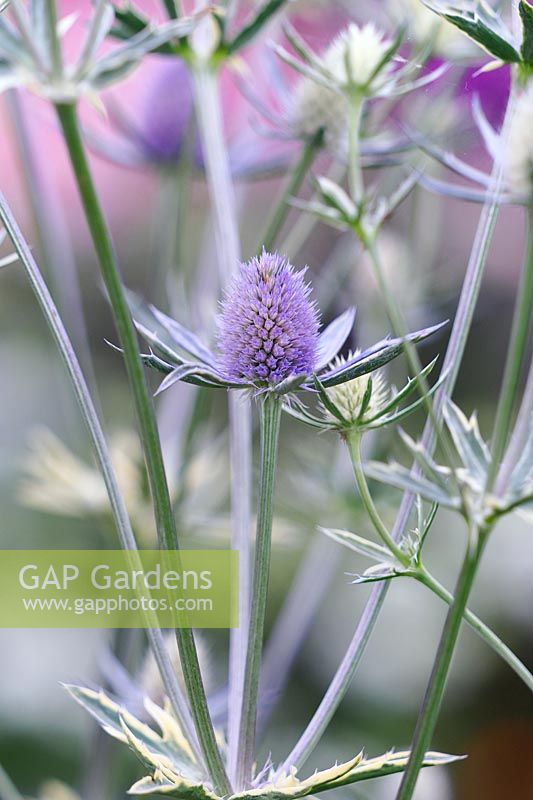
column 358, row 58
column 358, row 400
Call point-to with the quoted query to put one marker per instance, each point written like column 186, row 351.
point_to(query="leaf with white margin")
column 113, row 717
column 358, row 769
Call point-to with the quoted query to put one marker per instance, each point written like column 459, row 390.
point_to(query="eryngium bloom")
column 268, row 338
column 519, row 147
column 268, row 327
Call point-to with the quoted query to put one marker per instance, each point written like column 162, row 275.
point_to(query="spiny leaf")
column 481, row 24
column 526, row 15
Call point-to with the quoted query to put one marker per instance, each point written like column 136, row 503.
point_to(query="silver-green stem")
column 353, row 441
column 218, row 175
column 53, row 38
column 431, row 706
column 150, row 440
column 270, row 416
column 515, row 358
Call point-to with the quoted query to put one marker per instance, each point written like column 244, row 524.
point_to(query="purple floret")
column 268, row 327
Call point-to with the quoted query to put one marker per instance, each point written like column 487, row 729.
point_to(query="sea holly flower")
column 173, row 770
column 268, row 338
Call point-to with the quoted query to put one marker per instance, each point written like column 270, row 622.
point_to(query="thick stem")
column 148, row 428
column 515, row 357
column 429, row 712
column 291, row 189
column 270, row 416
column 353, row 441
column 209, row 114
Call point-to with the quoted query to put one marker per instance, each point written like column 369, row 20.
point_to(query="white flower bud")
column 518, row 157
column 348, row 397
column 350, row 62
column 354, row 58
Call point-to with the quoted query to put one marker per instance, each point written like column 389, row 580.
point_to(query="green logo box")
column 118, row 589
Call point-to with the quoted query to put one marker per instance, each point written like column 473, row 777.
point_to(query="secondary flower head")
column 357, row 400
column 268, row 327
column 358, row 58
column 518, row 157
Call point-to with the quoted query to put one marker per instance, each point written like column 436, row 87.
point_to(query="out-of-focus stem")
column 270, row 416
column 53, row 37
column 209, row 114
column 8, row 790
column 293, row 622
column 429, row 712
column 355, row 175
column 515, row 357
column 53, row 237
column 292, row 187
column 148, row 428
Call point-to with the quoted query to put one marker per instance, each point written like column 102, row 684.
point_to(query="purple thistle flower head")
column 268, row 327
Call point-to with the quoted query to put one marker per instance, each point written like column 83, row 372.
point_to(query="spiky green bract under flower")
column 357, row 400
column 268, row 327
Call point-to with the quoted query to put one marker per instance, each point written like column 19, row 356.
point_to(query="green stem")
column 353, row 441
column 170, row 8
column 515, row 356
column 148, row 427
column 55, row 47
column 270, row 416
column 488, row 635
column 429, row 713
column 292, row 187
column 355, row 173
